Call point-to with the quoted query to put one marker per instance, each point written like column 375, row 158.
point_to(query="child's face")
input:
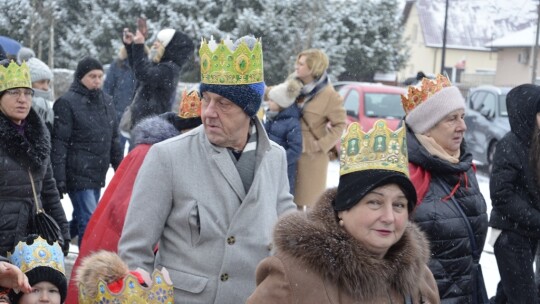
column 42, row 84
column 272, row 106
column 42, row 292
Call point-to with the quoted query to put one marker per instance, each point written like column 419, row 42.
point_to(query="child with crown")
column 357, row 243
column 451, row 209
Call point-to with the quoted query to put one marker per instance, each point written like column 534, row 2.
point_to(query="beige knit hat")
column 284, row 94
column 425, row 106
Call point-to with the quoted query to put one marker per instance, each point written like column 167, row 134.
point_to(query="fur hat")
column 246, row 96
column 24, row 54
column 39, row 70
column 85, row 66
column 284, row 94
column 430, row 103
column 164, row 36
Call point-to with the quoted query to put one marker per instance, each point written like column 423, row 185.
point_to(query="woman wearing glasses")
column 24, row 160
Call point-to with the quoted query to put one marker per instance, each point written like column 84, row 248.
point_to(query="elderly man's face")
column 225, row 123
column 93, row 79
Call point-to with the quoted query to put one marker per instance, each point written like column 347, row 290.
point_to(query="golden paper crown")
column 224, row 65
column 190, row 105
column 39, row 253
column 160, row 291
column 15, row 76
column 428, row 88
column 379, row 148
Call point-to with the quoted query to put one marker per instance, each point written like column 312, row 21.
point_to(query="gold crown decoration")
column 222, row 65
column 428, row 88
column 39, row 253
column 379, row 148
column 190, row 105
column 160, row 291
column 15, row 76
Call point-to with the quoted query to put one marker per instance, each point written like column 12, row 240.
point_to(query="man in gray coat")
column 211, row 197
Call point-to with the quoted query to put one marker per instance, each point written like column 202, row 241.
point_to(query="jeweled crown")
column 428, row 88
column 14, row 76
column 160, row 291
column 222, row 65
column 190, row 105
column 379, row 148
column 39, row 253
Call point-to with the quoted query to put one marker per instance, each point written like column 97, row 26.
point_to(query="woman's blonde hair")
column 316, row 60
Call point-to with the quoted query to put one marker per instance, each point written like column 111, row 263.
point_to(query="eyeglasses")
column 18, row 92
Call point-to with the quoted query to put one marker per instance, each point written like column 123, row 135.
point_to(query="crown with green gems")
column 14, row 76
column 222, row 64
column 39, row 253
column 379, row 148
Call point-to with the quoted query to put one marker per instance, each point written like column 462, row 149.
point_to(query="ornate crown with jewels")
column 190, row 105
column 379, row 148
column 223, row 64
column 160, row 291
column 39, row 253
column 15, row 76
column 428, row 88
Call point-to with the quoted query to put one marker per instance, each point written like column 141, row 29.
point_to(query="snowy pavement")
column 489, row 264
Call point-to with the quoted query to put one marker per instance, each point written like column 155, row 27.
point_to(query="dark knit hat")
column 44, row 274
column 354, row 186
column 85, row 66
column 246, row 96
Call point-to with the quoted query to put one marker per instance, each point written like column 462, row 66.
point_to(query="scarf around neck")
column 311, row 89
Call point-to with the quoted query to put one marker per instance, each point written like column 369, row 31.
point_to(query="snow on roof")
column 523, row 38
column 472, row 24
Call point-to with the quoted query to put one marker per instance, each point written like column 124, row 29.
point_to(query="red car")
column 369, row 102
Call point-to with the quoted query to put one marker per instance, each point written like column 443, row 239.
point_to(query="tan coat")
column 326, row 116
column 316, row 261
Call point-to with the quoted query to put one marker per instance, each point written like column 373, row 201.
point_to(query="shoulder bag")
column 43, row 224
column 479, row 287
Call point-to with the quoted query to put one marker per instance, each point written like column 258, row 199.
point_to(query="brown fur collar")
column 318, row 241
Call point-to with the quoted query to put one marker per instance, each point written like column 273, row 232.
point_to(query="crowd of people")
column 214, row 205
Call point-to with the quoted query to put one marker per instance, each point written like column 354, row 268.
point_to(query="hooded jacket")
column 20, row 154
column 451, row 254
column 156, row 82
column 515, row 195
column 316, row 261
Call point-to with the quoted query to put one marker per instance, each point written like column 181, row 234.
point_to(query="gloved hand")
column 61, row 186
column 65, row 247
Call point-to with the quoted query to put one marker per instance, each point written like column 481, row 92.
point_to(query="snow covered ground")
column 489, row 264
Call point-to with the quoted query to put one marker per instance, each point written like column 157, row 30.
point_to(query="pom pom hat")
column 370, row 160
column 430, row 103
column 39, row 70
column 234, row 71
column 284, row 94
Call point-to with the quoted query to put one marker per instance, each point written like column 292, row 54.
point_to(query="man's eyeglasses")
column 18, row 92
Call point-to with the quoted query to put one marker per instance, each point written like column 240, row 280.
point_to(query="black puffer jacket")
column 451, row 254
column 514, row 193
column 85, row 138
column 20, row 154
column 156, row 82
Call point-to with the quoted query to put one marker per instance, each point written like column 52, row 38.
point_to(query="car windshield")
column 383, row 105
column 502, row 106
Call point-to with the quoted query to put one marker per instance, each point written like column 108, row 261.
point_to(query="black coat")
column 515, row 195
column 451, row 253
column 85, row 138
column 157, row 82
column 20, row 154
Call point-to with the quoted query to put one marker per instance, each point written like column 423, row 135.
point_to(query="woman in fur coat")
column 356, row 245
column 24, row 161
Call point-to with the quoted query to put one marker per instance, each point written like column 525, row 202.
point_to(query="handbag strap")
column 38, row 209
column 474, row 247
column 309, row 127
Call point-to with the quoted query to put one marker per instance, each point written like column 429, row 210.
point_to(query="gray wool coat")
column 189, row 197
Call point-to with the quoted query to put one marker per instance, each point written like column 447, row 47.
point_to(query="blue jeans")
column 84, row 203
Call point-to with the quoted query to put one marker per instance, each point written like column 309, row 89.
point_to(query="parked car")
column 368, row 102
column 487, row 121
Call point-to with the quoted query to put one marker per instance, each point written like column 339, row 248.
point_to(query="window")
column 477, row 100
column 383, row 105
column 351, row 103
